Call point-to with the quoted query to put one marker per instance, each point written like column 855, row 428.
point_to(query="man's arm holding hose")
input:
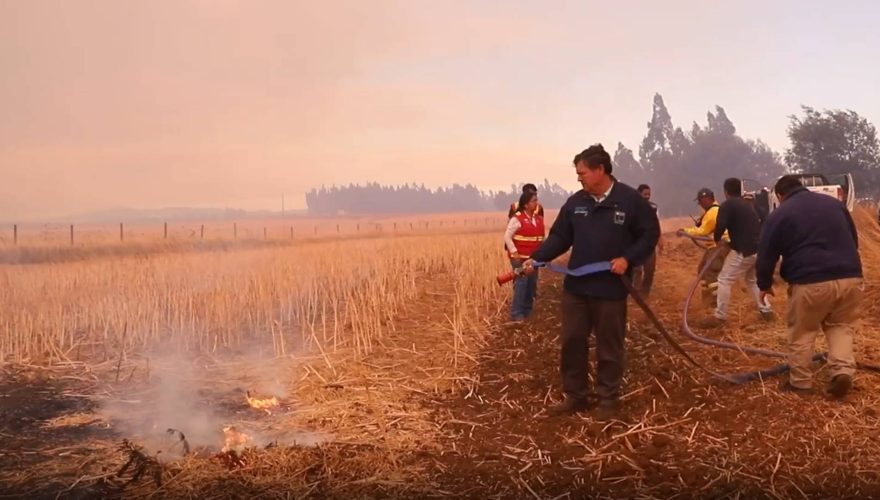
column 707, row 224
column 768, row 254
column 558, row 241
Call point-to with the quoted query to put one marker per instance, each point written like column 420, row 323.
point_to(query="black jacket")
column 740, row 219
column 816, row 238
column 622, row 225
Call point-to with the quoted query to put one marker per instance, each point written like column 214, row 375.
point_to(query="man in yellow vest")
column 705, row 227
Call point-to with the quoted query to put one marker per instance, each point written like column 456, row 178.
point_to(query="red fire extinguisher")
column 508, row 276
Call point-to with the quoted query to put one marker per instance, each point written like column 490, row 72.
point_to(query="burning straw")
column 265, row 404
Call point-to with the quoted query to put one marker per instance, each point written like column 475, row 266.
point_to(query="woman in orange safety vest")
column 525, row 233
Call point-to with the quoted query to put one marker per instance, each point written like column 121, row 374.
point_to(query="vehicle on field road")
column 839, row 186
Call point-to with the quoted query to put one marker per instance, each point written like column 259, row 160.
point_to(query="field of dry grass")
column 336, row 293
column 394, row 373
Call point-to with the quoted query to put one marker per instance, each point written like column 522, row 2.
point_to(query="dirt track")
column 679, row 433
column 425, row 429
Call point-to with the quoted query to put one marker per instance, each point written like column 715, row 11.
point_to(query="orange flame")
column 265, row 404
column 234, row 440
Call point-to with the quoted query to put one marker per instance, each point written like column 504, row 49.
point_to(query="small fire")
column 234, row 440
column 265, row 404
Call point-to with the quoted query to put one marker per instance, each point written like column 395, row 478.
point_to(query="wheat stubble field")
column 381, row 365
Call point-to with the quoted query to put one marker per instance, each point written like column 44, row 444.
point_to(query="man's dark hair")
column 524, row 200
column 643, row 187
column 594, row 156
column 733, row 186
column 786, row 184
column 529, row 188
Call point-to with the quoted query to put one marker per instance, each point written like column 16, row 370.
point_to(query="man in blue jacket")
column 817, row 240
column 606, row 221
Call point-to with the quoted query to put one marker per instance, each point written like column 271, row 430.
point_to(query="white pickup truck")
column 839, row 186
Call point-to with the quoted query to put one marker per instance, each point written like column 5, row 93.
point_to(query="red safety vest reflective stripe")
column 529, row 236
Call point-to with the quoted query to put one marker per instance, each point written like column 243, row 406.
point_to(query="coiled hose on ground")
column 746, row 376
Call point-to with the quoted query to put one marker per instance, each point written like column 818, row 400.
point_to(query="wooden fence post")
column 166, row 230
column 71, row 234
column 202, row 232
column 121, row 234
column 15, row 234
column 291, row 232
column 235, row 230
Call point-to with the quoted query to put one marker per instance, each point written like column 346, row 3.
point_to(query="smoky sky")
column 148, row 104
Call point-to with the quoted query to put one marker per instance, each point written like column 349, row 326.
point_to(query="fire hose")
column 686, row 329
column 748, row 376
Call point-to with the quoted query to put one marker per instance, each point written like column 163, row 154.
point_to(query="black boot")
column 839, row 386
column 568, row 407
column 607, row 409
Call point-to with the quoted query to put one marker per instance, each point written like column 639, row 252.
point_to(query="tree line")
column 675, row 162
column 411, row 198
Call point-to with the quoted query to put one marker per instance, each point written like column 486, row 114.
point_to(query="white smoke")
column 198, row 399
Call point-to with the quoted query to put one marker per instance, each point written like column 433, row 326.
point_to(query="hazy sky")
column 219, row 103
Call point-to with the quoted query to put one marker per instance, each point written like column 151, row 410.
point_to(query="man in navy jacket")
column 606, row 221
column 817, row 240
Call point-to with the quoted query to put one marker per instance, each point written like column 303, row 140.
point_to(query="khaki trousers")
column 831, row 307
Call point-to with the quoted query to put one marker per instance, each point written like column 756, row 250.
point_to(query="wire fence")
column 38, row 235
